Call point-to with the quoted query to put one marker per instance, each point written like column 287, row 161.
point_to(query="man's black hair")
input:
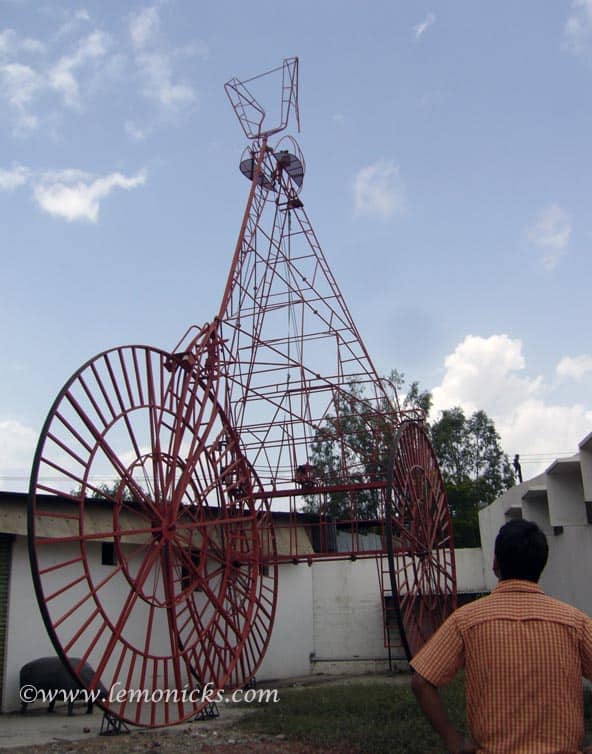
column 521, row 550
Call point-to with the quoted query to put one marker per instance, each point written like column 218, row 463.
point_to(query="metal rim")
column 186, row 601
column 420, row 545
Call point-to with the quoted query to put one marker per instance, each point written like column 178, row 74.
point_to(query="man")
column 524, row 656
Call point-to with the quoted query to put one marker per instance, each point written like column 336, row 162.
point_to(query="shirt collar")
column 518, row 585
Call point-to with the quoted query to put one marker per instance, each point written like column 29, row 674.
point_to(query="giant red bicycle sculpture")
column 273, row 404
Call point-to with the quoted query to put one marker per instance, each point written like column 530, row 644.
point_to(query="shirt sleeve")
column 586, row 648
column 443, row 655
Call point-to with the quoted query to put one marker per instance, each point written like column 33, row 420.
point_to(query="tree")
column 413, row 398
column 354, row 445
column 474, row 468
column 351, row 445
column 102, row 491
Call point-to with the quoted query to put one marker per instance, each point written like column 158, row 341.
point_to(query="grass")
column 369, row 718
column 372, row 718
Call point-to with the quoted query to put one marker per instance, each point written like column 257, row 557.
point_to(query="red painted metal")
column 199, row 443
column 190, row 597
column 420, row 542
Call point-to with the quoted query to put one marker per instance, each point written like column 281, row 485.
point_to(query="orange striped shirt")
column 524, row 656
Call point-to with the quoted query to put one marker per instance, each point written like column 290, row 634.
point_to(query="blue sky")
column 448, row 179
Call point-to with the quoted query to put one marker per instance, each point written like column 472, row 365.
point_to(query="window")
column 108, row 556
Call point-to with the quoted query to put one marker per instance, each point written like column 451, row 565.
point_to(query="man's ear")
column 496, row 569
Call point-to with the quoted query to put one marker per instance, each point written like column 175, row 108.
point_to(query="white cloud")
column 134, row 131
column 73, row 195
column 71, row 68
column 489, row 374
column 485, row 371
column 144, row 26
column 62, row 75
column 11, row 44
column 422, row 27
column 19, row 84
column 157, row 71
column 7, row 41
column 575, row 367
column 537, row 428
column 17, row 446
column 577, row 33
column 68, row 175
column 13, row 178
column 32, row 45
column 550, row 231
column 155, row 64
column 75, row 20
column 378, row 190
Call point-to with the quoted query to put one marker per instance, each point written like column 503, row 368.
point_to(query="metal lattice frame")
column 199, row 442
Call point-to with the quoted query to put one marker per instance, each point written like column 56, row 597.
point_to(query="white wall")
column 292, row 639
column 348, row 619
column 492, row 518
column 26, row 637
column 330, row 611
column 470, row 570
column 555, row 500
column 586, row 466
column 567, row 575
column 565, row 494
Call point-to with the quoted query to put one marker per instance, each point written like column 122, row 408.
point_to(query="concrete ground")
column 38, row 727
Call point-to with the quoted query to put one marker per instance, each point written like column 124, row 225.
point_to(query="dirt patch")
column 185, row 741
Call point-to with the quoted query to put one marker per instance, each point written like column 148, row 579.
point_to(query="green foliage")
column 354, row 444
column 104, row 491
column 464, row 507
column 474, row 468
column 351, row 446
column 413, row 398
column 469, row 449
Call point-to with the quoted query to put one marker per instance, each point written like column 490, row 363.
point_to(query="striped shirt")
column 524, row 656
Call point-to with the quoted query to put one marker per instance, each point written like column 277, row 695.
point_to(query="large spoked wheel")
column 419, row 538
column 147, row 549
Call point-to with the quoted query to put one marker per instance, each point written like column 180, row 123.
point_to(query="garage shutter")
column 5, row 557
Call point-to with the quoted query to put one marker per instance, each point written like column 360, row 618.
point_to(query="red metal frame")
column 189, row 540
column 202, row 441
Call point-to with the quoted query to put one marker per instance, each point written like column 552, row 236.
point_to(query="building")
column 560, row 502
column 329, row 616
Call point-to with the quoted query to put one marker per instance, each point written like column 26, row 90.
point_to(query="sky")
column 448, row 178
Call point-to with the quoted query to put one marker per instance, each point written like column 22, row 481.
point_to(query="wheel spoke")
column 422, row 569
column 141, row 456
